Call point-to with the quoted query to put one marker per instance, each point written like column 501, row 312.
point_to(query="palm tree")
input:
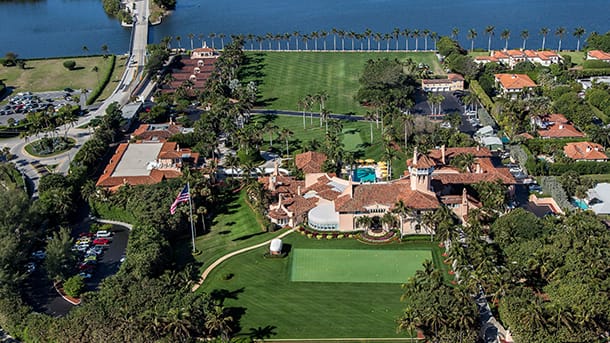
column 285, row 134
column 377, row 38
column 324, row 115
column 454, row 33
column 334, row 31
column 367, row 34
column 278, row 38
column 269, row 37
column 201, row 36
column 218, row 321
column 544, row 32
column 472, row 34
column 387, row 37
column 105, row 50
column 406, row 33
column 409, row 321
column 370, row 116
column 178, row 39
column 395, row 35
column 323, row 35
column 352, row 35
column 489, row 31
column 578, row 33
column 305, row 39
column 315, row 35
column 96, row 70
column 191, row 36
column 85, row 49
column 434, row 37
column 222, row 40
column 560, row 32
column 506, row 36
column 524, row 35
column 260, row 40
column 212, row 36
column 415, row 34
column 296, row 35
column 364, row 222
column 341, row 34
column 426, row 33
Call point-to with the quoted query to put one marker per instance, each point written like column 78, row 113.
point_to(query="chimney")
column 478, row 148
column 560, row 126
column 177, row 147
column 443, row 154
column 415, row 156
column 477, row 170
column 276, row 170
column 588, row 148
column 299, row 190
column 464, row 203
column 279, row 200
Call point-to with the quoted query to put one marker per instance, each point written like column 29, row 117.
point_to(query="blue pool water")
column 364, row 175
column 580, row 204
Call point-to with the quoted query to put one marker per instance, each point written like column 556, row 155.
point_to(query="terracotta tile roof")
column 584, row 151
column 515, row 81
column 526, row 135
column 310, row 162
column 486, row 58
column 598, row 55
column 455, row 77
column 302, row 205
column 558, row 127
column 385, row 194
column 457, row 199
column 204, row 49
column 452, row 152
column 142, row 133
column 423, row 161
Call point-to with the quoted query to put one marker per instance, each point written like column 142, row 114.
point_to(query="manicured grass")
column 478, row 53
column 30, row 149
column 578, row 57
column 234, row 227
column 350, row 265
column 51, row 75
column 357, row 137
column 599, row 178
column 286, row 77
column 261, row 294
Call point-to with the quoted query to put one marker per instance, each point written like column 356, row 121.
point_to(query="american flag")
column 182, row 197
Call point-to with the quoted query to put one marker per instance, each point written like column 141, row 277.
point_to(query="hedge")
column 590, row 72
column 100, row 87
column 480, row 93
column 581, row 167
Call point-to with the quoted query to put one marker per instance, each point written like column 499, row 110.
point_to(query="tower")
column 420, row 172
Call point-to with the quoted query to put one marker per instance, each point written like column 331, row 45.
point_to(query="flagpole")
column 188, row 184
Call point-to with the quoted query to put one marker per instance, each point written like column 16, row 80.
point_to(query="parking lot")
column 41, row 294
column 20, row 104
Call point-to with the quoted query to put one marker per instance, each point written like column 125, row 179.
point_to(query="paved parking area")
column 451, row 104
column 20, row 104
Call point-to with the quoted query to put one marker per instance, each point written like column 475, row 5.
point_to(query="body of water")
column 62, row 27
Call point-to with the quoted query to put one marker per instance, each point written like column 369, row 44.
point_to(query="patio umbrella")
column 369, row 160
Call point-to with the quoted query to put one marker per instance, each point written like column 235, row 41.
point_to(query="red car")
column 101, row 241
column 86, row 234
column 85, row 267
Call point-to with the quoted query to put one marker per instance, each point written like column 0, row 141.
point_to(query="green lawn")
column 50, row 74
column 356, row 265
column 357, row 137
column 578, row 57
column 286, row 77
column 262, row 297
column 235, row 226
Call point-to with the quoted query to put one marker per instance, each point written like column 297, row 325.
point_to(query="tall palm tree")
column 387, row 37
column 260, row 40
column 406, row 33
column 179, row 39
column 415, row 34
column 287, row 38
column 285, row 134
column 371, row 117
column 489, row 31
column 426, row 33
column 305, row 39
column 323, row 35
column 222, row 40
column 352, row 35
column 544, row 32
column 315, row 35
column 296, row 36
column 395, row 35
column 105, row 50
column 278, row 38
column 324, row 115
column 201, row 36
column 367, row 34
column 217, row 321
column 364, row 222
column 524, row 35
column 334, row 31
column 434, row 37
column 560, row 32
column 269, row 37
column 191, row 36
column 454, row 33
column 377, row 38
column 250, row 38
column 341, row 34
column 212, row 35
column 578, row 33
column 472, row 35
column 505, row 34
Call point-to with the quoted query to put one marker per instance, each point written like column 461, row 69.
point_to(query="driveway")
column 39, row 290
column 451, row 104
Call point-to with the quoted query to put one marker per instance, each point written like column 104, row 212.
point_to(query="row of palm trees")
column 361, row 41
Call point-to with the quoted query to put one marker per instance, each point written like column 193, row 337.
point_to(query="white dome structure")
column 275, row 247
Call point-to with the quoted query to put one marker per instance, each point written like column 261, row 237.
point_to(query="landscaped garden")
column 49, row 146
column 358, row 297
column 284, row 78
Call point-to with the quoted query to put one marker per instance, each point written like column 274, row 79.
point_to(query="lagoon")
column 43, row 28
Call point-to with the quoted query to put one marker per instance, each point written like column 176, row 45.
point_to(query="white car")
column 103, row 234
column 84, row 275
column 31, row 267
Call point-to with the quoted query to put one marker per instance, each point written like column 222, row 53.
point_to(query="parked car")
column 535, row 188
column 101, row 241
column 90, row 258
column 85, row 267
column 103, row 234
column 84, row 275
column 86, row 234
column 96, row 250
column 31, row 267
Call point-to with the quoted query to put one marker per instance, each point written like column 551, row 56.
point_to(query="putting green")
column 347, row 265
column 351, row 139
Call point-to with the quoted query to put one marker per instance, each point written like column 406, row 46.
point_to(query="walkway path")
column 209, row 269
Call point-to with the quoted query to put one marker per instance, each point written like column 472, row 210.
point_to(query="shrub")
column 74, row 286
column 100, row 87
column 309, row 235
column 70, row 64
column 595, row 64
column 475, row 87
column 228, row 276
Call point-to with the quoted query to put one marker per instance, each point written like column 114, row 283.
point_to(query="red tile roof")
column 142, row 133
column 514, row 81
column 585, row 151
column 386, row 194
column 558, row 127
column 598, row 55
column 310, row 162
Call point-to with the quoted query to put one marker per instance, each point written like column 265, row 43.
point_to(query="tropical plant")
column 489, row 31
column 578, row 33
column 544, row 32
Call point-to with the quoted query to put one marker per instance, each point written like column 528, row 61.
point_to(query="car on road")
column 101, row 241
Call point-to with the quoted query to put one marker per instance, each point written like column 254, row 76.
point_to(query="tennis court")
column 356, row 265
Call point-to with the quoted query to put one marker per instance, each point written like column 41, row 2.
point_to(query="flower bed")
column 386, row 237
column 323, row 235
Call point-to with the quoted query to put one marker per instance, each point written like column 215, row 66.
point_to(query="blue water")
column 364, row 175
column 580, row 204
column 39, row 28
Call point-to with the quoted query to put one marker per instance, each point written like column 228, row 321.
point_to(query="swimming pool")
column 364, row 175
column 580, row 204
